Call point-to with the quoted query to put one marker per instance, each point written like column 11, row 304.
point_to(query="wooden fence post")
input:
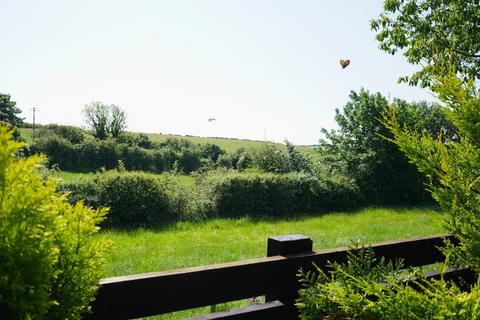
column 285, row 246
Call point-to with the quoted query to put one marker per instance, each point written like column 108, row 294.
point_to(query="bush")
column 135, row 199
column 270, row 158
column 228, row 193
column 369, row 288
column 50, row 264
column 60, row 151
column 73, row 134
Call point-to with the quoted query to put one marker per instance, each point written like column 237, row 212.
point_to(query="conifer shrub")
column 368, row 287
column 50, row 261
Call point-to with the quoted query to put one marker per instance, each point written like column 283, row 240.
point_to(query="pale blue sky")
column 171, row 65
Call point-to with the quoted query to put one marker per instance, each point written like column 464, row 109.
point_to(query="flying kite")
column 344, row 63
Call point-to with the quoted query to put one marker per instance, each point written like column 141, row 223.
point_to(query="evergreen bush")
column 50, row 262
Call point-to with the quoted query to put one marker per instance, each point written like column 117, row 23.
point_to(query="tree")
column 445, row 35
column 118, row 121
column 359, row 151
column 105, row 120
column 434, row 34
column 9, row 111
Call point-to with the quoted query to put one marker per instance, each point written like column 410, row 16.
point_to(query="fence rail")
column 274, row 276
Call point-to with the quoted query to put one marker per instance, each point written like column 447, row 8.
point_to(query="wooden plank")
column 462, row 277
column 269, row 310
column 162, row 292
column 278, row 310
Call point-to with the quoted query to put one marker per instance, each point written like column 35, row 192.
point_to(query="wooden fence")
column 274, row 276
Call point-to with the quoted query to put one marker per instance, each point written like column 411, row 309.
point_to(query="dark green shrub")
column 189, row 160
column 135, row 199
column 50, row 262
column 239, row 160
column 136, row 158
column 108, row 154
column 271, row 158
column 143, row 141
column 227, row 193
column 73, row 134
column 59, row 150
column 275, row 158
column 211, row 151
column 87, row 155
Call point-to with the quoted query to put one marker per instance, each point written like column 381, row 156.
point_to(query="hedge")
column 135, row 199
column 231, row 194
column 147, row 200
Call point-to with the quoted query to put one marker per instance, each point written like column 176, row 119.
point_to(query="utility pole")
column 33, row 124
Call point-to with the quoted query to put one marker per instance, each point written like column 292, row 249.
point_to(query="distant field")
column 26, row 134
column 228, row 144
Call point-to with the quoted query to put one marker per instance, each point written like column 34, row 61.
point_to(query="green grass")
column 69, row 176
column 26, row 134
column 188, row 244
column 227, row 144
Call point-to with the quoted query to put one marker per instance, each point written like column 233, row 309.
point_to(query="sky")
column 262, row 68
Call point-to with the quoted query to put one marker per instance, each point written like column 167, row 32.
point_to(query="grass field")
column 188, row 244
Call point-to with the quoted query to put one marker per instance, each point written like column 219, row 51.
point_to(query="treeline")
column 70, row 148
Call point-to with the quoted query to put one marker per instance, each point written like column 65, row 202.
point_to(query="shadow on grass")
column 257, row 219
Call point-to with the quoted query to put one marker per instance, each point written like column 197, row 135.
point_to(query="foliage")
column 135, row 199
column 358, row 149
column 95, row 154
column 211, row 151
column 273, row 158
column 9, row 111
column 50, row 263
column 228, row 193
column 370, row 288
column 60, row 151
column 105, row 120
column 143, row 141
column 238, row 160
column 432, row 33
column 73, row 134
column 453, row 165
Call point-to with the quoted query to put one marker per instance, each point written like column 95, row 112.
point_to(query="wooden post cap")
column 288, row 244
